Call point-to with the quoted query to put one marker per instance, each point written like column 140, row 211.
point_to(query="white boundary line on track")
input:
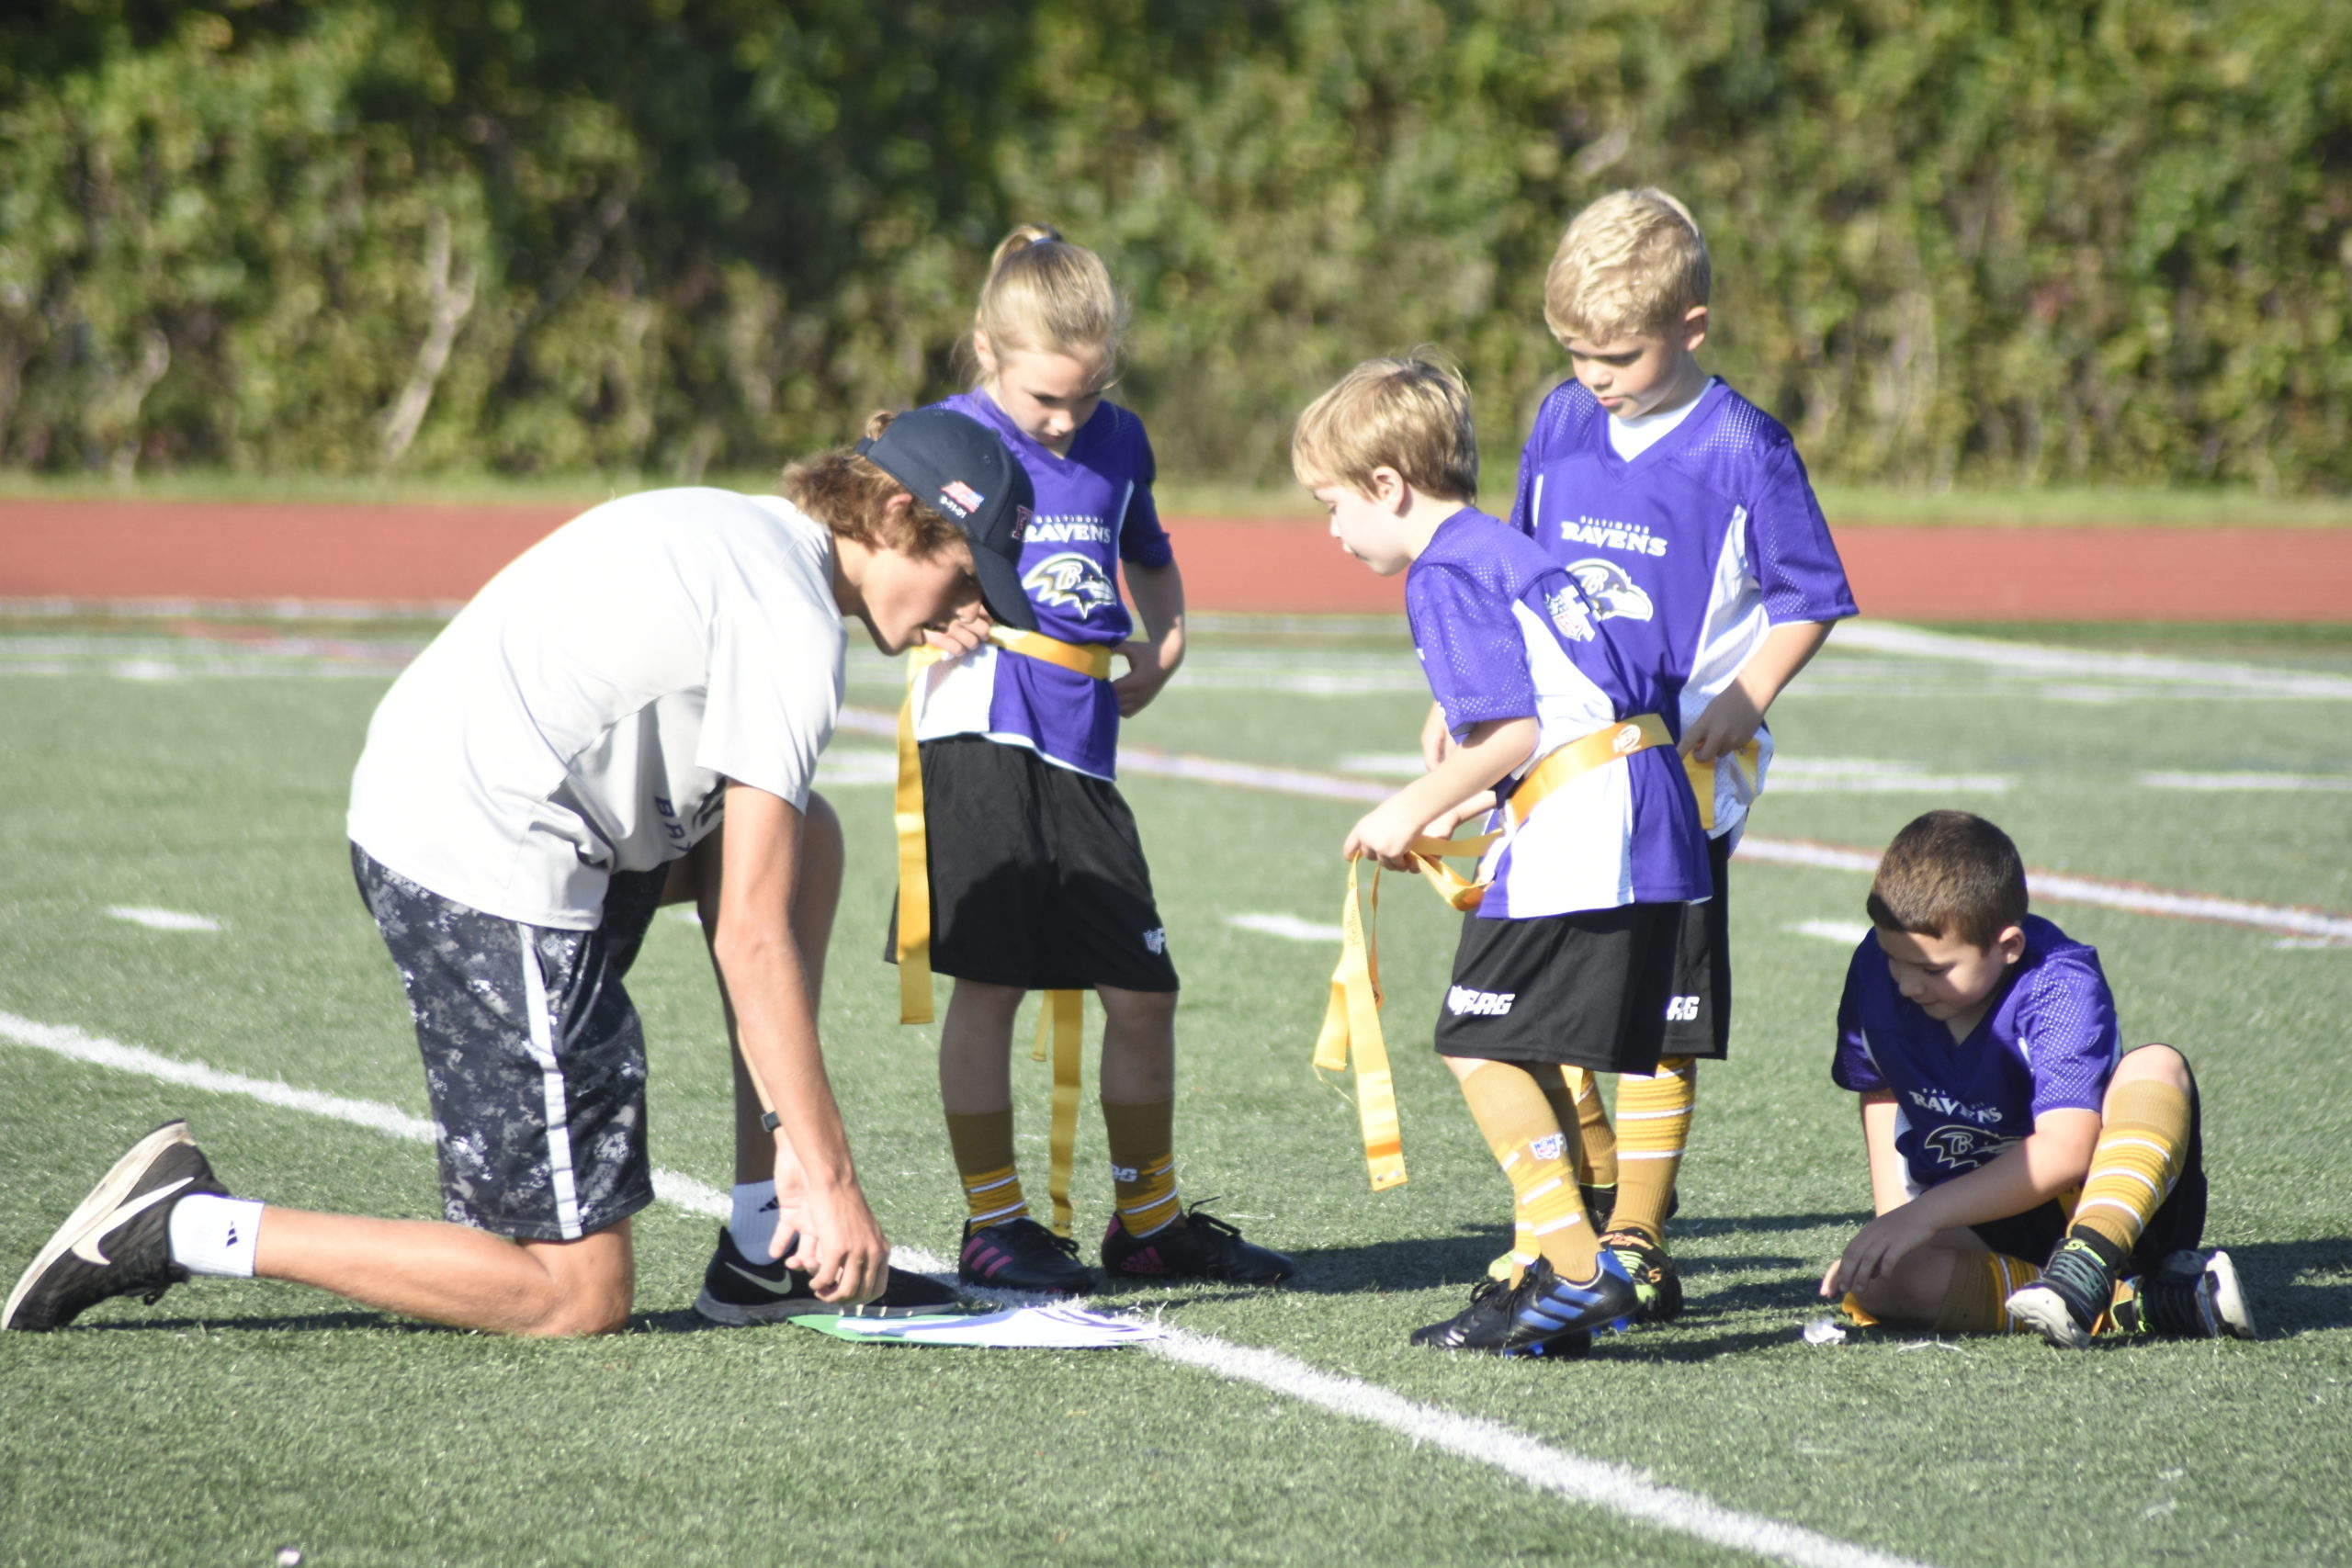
column 1630, row 1493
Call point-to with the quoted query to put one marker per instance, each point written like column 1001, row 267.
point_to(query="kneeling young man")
column 529, row 786
column 2005, row 1122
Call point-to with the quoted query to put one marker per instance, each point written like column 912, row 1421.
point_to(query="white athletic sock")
column 754, row 1224
column 216, row 1236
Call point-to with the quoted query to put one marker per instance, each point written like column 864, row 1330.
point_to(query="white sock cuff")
column 752, row 1221
column 216, row 1236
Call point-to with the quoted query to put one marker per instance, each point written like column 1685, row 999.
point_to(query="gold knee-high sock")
column 1143, row 1164
column 1653, row 1127
column 1576, row 1100
column 2143, row 1146
column 1537, row 1155
column 1975, row 1302
column 983, row 1148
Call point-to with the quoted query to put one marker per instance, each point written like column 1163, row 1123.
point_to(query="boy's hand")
column 1876, row 1249
column 1383, row 834
column 959, row 637
column 1437, row 741
column 1729, row 723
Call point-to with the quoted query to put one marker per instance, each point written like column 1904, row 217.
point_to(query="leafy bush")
column 1955, row 240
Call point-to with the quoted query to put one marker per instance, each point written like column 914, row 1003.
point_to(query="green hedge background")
column 1957, row 241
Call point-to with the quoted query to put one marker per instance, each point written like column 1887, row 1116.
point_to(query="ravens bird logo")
column 1964, row 1149
column 1613, row 592
column 1073, row 581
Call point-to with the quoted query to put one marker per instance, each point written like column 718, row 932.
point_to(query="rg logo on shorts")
column 1461, row 1001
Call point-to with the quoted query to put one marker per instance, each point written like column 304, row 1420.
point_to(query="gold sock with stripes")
column 1576, row 1100
column 1538, row 1157
column 1975, row 1301
column 1653, row 1127
column 982, row 1143
column 1143, row 1168
column 2143, row 1146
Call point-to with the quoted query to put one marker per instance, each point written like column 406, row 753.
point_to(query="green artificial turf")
column 235, row 1418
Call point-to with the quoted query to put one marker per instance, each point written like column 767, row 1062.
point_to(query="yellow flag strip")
column 1062, row 1019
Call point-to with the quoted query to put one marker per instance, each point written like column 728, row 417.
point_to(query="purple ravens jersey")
column 1503, row 632
column 2049, row 1042
column 1691, row 551
column 1094, row 510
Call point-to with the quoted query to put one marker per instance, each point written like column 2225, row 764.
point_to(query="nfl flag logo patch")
column 961, row 494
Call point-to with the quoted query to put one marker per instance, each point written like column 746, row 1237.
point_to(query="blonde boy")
column 1568, row 959
column 1683, row 512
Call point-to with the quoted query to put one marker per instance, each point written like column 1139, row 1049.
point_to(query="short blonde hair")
column 1047, row 296
column 1633, row 261
column 1410, row 414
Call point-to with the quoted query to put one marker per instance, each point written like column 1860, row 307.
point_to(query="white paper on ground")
column 1026, row 1328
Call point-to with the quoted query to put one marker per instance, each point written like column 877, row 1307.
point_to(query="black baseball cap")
column 964, row 471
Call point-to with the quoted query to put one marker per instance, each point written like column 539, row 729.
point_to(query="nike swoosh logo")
column 774, row 1288
column 86, row 1249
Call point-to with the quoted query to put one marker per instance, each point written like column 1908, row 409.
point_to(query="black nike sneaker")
column 738, row 1292
column 118, row 1243
column 1022, row 1255
column 1193, row 1246
column 2077, row 1285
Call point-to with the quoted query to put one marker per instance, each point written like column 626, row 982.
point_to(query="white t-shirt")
column 581, row 715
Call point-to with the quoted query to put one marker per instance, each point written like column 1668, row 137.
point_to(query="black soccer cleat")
column 1193, row 1246
column 738, row 1292
column 2188, row 1296
column 1022, row 1255
column 1542, row 1316
column 118, row 1242
column 1657, row 1283
column 2064, row 1305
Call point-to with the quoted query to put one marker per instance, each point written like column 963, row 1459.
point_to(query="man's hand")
column 1876, row 1249
column 840, row 1247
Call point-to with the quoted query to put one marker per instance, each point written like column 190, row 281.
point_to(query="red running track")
column 114, row 551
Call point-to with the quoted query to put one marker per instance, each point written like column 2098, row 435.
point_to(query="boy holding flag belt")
column 1567, row 958
column 1684, row 511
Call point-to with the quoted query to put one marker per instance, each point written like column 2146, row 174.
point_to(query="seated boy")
column 2004, row 1122
column 1569, row 957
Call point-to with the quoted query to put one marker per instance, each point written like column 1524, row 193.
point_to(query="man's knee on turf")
column 591, row 1285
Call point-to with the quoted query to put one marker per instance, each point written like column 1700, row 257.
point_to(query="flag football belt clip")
column 1352, row 1018
column 1062, row 1019
column 1559, row 765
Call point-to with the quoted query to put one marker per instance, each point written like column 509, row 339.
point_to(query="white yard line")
column 2270, row 784
column 161, row 920
column 1288, row 926
column 1846, row 933
column 2285, row 918
column 2042, row 659
column 1614, row 1488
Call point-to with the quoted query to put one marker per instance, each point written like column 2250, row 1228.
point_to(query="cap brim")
column 1000, row 591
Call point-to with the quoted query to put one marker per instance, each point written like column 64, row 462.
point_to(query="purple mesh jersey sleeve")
column 1795, row 560
column 2064, row 1026
column 1470, row 646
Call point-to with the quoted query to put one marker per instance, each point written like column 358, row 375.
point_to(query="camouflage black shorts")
column 536, row 1064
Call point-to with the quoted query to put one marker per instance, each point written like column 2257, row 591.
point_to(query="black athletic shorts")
column 2178, row 1224
column 1698, row 1021
column 533, row 1059
column 1588, row 989
column 1038, row 877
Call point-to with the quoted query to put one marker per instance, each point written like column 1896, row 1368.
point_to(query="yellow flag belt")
column 1062, row 1019
column 1351, row 1019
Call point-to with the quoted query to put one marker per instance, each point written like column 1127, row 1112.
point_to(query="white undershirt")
column 1629, row 438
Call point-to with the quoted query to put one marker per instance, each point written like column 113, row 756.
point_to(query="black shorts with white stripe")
column 534, row 1058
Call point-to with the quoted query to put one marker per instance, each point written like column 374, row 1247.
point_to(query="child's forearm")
column 1788, row 647
column 1159, row 595
column 1888, row 1188
column 2026, row 1176
column 1482, row 762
